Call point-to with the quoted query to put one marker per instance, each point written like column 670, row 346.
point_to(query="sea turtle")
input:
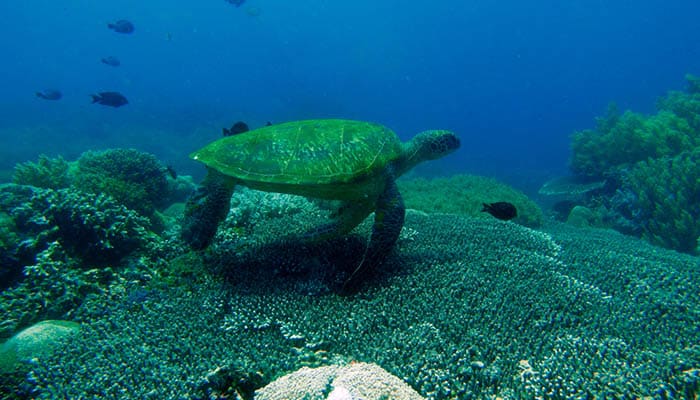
column 352, row 161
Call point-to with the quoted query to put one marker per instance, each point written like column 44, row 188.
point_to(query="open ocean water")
column 545, row 246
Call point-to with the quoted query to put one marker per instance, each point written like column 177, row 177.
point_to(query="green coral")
column 650, row 166
column 90, row 226
column 629, row 139
column 465, row 309
column 133, row 178
column 51, row 173
column 465, row 194
column 619, row 141
column 668, row 190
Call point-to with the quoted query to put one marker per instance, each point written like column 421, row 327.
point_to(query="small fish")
column 111, row 61
column 238, row 127
column 236, row 3
column 122, row 26
column 171, row 171
column 501, row 210
column 49, row 94
column 112, row 99
column 268, row 123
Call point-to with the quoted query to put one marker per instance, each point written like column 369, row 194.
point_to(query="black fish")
column 122, row 26
column 501, row 210
column 236, row 3
column 268, row 123
column 112, row 61
column 49, row 94
column 112, row 99
column 238, row 127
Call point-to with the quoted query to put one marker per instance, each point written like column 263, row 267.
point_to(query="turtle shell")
column 311, row 153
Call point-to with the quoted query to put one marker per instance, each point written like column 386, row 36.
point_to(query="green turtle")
column 355, row 162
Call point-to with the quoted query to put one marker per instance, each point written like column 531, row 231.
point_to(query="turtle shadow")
column 300, row 267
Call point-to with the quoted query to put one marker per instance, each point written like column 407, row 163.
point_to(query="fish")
column 238, row 127
column 501, row 210
column 111, row 61
column 49, row 94
column 122, row 26
column 236, row 3
column 112, row 99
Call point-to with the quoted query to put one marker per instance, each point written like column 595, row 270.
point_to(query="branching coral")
column 92, row 227
column 668, row 190
column 652, row 160
column 133, row 178
column 631, row 138
column 51, row 173
column 470, row 308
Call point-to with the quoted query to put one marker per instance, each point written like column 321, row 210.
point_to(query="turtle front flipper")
column 388, row 222
column 206, row 208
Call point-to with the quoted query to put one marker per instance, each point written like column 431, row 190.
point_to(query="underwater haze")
column 513, row 78
column 545, row 246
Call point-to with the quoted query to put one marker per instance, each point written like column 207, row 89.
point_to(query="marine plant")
column 465, row 194
column 667, row 191
column 50, row 173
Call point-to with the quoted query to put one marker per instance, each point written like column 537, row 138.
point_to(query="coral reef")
column 133, row 178
column 39, row 340
column 338, row 382
column 92, row 227
column 50, row 173
column 650, row 165
column 465, row 194
column 631, row 138
column 668, row 190
column 464, row 308
column 64, row 246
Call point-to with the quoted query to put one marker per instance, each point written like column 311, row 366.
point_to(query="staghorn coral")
column 631, row 138
column 50, row 173
column 649, row 164
column 622, row 140
column 667, row 191
column 465, row 194
column 684, row 104
column 465, row 308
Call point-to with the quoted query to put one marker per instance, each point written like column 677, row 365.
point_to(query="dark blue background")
column 513, row 78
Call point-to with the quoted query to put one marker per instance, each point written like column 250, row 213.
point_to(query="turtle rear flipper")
column 388, row 222
column 348, row 216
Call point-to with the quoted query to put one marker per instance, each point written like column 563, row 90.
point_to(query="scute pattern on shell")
column 312, row 152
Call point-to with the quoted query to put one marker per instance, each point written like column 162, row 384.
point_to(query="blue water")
column 513, row 78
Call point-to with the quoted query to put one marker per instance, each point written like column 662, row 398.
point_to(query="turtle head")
column 430, row 145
